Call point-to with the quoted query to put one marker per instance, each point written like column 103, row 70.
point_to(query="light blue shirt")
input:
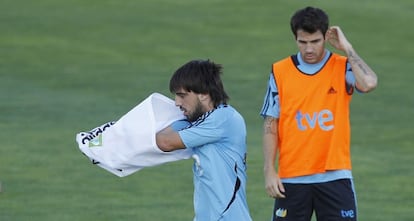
column 218, row 140
column 271, row 108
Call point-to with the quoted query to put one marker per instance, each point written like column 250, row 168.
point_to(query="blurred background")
column 68, row 66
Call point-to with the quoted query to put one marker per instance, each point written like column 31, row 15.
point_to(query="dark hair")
column 309, row 19
column 201, row 77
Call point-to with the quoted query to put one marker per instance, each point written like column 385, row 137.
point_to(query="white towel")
column 128, row 145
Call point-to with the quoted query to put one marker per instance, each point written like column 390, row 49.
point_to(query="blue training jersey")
column 271, row 108
column 218, row 140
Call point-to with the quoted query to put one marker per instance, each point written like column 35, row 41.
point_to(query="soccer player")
column 217, row 135
column 306, row 123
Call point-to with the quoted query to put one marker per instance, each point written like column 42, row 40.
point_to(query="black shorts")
column 331, row 201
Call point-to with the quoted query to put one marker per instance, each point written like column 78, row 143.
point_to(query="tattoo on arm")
column 355, row 59
column 269, row 125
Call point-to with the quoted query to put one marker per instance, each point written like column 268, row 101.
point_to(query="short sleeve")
column 271, row 100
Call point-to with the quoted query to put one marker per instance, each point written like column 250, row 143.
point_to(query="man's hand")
column 337, row 39
column 273, row 184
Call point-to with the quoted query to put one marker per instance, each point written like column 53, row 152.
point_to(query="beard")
column 198, row 111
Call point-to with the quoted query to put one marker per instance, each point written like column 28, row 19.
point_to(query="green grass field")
column 68, row 66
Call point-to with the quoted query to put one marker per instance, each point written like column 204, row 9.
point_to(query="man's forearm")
column 366, row 79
